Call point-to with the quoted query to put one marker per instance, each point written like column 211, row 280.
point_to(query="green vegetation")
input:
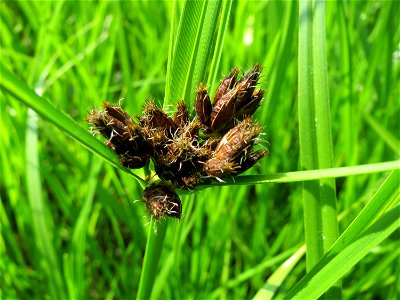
column 70, row 225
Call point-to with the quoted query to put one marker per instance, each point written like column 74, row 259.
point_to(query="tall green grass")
column 322, row 208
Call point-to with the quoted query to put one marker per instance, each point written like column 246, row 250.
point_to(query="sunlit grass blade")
column 79, row 243
column 260, row 268
column 299, row 176
column 191, row 51
column 48, row 111
column 319, row 197
column 225, row 13
column 375, row 222
column 275, row 280
column 41, row 226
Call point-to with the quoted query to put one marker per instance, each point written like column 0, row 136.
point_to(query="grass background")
column 69, row 224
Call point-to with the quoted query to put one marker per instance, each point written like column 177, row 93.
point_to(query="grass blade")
column 47, row 260
column 184, row 50
column 79, row 243
column 225, row 13
column 192, row 50
column 319, row 198
column 48, row 111
column 152, row 256
column 275, row 280
column 369, row 229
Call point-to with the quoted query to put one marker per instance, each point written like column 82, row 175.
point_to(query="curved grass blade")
column 275, row 280
column 48, row 111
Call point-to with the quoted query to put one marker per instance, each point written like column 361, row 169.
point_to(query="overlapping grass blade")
column 46, row 258
column 191, row 51
column 319, row 197
column 275, row 280
column 376, row 221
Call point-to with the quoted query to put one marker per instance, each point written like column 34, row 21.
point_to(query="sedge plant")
column 318, row 216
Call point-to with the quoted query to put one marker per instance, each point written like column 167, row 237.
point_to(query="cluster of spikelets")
column 217, row 143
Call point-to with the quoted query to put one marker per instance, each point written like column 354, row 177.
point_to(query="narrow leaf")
column 48, row 111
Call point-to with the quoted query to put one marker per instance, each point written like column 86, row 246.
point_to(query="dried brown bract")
column 154, row 117
column 203, row 106
column 234, row 154
column 217, row 144
column 233, row 100
column 181, row 116
column 161, row 200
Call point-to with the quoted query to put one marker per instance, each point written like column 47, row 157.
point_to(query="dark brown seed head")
column 234, row 153
column 249, row 108
column 161, row 201
column 117, row 113
column 226, row 84
column 250, row 160
column 122, row 134
column 217, row 143
column 132, row 161
column 238, row 140
column 183, row 158
column 234, row 100
column 248, row 82
column 248, row 98
column 203, row 105
column 220, row 168
column 223, row 111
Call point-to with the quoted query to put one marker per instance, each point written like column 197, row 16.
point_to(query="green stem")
column 152, row 255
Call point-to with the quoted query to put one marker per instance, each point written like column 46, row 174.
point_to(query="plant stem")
column 152, row 255
column 320, row 222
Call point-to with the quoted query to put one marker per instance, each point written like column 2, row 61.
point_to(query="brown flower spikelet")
column 218, row 143
column 181, row 116
column 161, row 200
column 233, row 100
column 235, row 149
column 123, row 135
column 203, row 105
